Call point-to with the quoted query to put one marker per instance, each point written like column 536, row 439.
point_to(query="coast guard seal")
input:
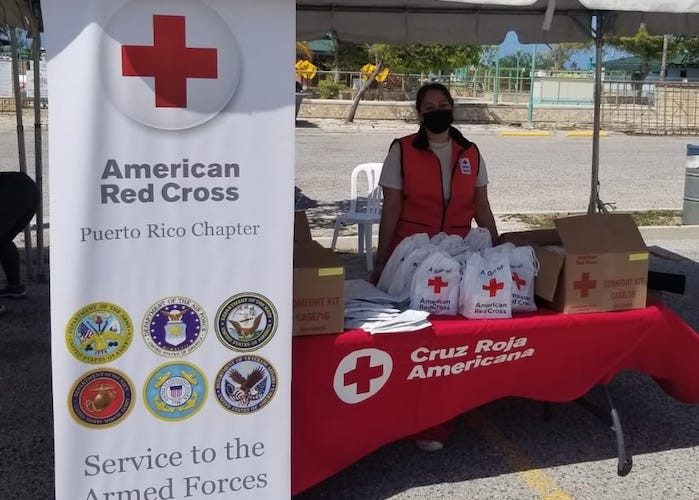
column 99, row 333
column 175, row 391
column 245, row 384
column 101, row 398
column 174, row 326
column 246, row 322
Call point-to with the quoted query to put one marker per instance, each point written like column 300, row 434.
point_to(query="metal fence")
column 662, row 108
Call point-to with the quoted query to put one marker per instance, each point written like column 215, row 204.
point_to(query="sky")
column 511, row 45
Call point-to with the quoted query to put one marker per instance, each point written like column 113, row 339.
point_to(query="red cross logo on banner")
column 361, row 374
column 436, row 283
column 585, row 284
column 169, row 64
column 493, row 287
column 169, row 61
column 518, row 281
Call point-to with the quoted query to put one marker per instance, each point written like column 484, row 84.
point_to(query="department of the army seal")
column 101, row 398
column 99, row 333
column 174, row 326
column 175, row 391
column 246, row 384
column 246, row 322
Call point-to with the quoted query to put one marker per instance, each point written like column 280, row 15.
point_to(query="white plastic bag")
column 504, row 248
column 435, row 285
column 400, row 286
column 452, row 244
column 477, row 239
column 524, row 267
column 399, row 253
column 486, row 287
column 437, row 238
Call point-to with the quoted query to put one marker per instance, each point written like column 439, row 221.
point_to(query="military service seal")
column 175, row 391
column 101, row 398
column 246, row 322
column 246, row 384
column 174, row 326
column 99, row 333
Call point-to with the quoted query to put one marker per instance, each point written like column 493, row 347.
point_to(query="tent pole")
column 595, row 203
column 20, row 143
column 38, row 164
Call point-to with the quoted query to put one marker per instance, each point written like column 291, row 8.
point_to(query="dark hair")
column 432, row 86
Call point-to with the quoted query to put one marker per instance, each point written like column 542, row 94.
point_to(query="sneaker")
column 429, row 445
column 13, row 292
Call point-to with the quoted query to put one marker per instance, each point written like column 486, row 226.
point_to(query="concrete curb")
column 649, row 233
column 525, row 133
column 585, row 133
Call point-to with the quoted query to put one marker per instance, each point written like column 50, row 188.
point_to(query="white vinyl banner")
column 172, row 175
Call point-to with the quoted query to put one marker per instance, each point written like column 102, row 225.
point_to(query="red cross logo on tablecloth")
column 436, row 283
column 493, row 287
column 363, row 374
column 169, row 61
column 585, row 285
column 518, row 281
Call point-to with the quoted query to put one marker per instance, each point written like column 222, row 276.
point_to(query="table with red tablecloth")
column 355, row 392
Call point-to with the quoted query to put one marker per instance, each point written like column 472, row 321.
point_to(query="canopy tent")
column 487, row 22
column 469, row 22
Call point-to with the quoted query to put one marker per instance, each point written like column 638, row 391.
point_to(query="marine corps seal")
column 101, row 398
column 99, row 333
column 175, row 391
column 246, row 322
column 246, row 384
column 174, row 326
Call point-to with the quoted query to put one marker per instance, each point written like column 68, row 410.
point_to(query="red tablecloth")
column 353, row 393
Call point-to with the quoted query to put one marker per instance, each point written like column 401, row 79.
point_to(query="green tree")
column 426, row 58
column 560, row 53
column 644, row 45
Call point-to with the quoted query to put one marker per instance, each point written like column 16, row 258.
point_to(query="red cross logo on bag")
column 518, row 281
column 437, row 284
column 493, row 287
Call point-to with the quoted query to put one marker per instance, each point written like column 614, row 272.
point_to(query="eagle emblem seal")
column 246, row 384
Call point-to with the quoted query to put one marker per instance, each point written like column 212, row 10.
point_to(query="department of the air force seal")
column 174, row 326
column 99, row 333
column 175, row 391
column 101, row 398
column 246, row 384
column 246, row 322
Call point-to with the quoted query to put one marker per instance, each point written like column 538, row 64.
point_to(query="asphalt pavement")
column 503, row 450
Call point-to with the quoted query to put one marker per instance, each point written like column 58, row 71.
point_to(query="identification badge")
column 465, row 166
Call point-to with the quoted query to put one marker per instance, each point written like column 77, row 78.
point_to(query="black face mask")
column 438, row 121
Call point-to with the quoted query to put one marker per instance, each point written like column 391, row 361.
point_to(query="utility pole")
column 663, row 61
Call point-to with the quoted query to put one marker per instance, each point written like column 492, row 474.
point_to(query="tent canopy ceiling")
column 20, row 13
column 487, row 22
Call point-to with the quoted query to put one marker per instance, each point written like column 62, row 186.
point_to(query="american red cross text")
column 169, row 61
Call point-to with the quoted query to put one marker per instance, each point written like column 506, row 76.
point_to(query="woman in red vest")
column 433, row 181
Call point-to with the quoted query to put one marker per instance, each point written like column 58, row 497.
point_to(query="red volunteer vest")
column 424, row 209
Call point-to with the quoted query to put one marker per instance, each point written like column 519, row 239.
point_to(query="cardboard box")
column 589, row 263
column 319, row 284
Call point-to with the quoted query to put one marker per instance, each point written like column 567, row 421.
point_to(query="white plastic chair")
column 368, row 214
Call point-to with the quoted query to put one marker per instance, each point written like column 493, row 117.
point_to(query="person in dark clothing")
column 19, row 198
